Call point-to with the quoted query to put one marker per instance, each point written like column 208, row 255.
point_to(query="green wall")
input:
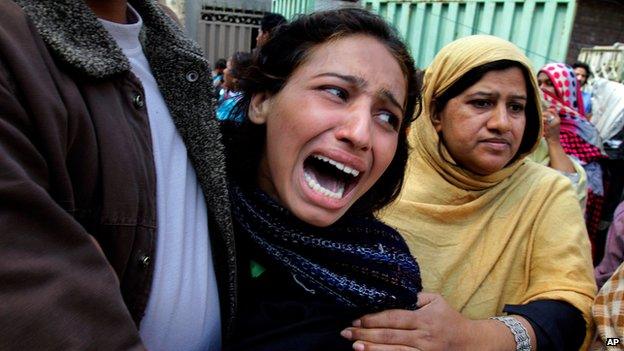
column 541, row 28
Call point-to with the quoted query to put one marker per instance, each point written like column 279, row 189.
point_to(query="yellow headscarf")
column 511, row 237
column 451, row 63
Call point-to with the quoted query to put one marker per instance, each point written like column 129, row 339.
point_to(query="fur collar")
column 78, row 39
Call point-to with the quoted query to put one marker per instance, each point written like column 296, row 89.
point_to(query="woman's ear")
column 436, row 118
column 437, row 122
column 259, row 108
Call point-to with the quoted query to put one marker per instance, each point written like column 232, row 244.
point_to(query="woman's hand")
column 435, row 326
column 558, row 158
column 551, row 122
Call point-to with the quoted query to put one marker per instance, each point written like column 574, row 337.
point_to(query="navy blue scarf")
column 359, row 263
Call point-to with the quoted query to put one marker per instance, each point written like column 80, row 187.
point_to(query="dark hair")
column 240, row 62
column 270, row 21
column 286, row 50
column 532, row 127
column 584, row 66
column 220, row 64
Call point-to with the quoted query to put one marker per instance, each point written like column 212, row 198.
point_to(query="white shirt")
column 183, row 307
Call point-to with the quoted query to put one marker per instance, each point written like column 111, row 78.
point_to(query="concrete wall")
column 597, row 22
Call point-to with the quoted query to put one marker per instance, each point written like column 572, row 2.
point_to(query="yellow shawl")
column 511, row 237
column 541, row 156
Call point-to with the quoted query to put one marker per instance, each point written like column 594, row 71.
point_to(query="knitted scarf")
column 357, row 262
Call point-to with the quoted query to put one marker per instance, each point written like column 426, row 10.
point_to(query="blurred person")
column 609, row 115
column 217, row 74
column 268, row 23
column 323, row 145
column 608, row 118
column 109, row 220
column 500, row 240
column 614, row 249
column 230, row 93
column 582, row 73
column 579, row 138
column 550, row 153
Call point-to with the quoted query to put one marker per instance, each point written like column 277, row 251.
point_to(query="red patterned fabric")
column 576, row 146
column 578, row 136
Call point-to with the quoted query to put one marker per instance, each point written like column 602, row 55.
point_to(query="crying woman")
column 323, row 146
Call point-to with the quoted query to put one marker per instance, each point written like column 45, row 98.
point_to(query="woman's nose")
column 356, row 128
column 500, row 119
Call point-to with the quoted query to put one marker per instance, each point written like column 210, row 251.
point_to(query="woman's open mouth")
column 329, row 177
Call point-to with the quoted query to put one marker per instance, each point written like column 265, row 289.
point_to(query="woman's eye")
column 516, row 107
column 481, row 103
column 389, row 119
column 341, row 93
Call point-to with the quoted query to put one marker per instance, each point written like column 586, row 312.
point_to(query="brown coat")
column 77, row 177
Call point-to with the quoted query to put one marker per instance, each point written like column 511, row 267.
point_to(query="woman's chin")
column 487, row 166
column 317, row 209
column 317, row 217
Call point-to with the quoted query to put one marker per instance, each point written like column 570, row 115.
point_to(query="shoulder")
column 14, row 24
column 549, row 192
column 557, row 211
column 21, row 47
column 10, row 13
column 169, row 12
column 541, row 176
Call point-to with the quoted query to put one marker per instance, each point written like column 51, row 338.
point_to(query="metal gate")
column 222, row 30
column 605, row 61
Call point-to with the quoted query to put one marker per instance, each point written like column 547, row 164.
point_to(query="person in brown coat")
column 115, row 221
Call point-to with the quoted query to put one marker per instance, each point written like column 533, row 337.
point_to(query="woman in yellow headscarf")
column 496, row 235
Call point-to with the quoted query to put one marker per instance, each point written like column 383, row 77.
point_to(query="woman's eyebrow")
column 361, row 83
column 519, row 97
column 483, row 94
column 357, row 81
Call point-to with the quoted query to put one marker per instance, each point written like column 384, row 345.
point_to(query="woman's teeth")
column 314, row 185
column 338, row 165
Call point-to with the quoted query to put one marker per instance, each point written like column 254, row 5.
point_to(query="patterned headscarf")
column 578, row 136
column 567, row 89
